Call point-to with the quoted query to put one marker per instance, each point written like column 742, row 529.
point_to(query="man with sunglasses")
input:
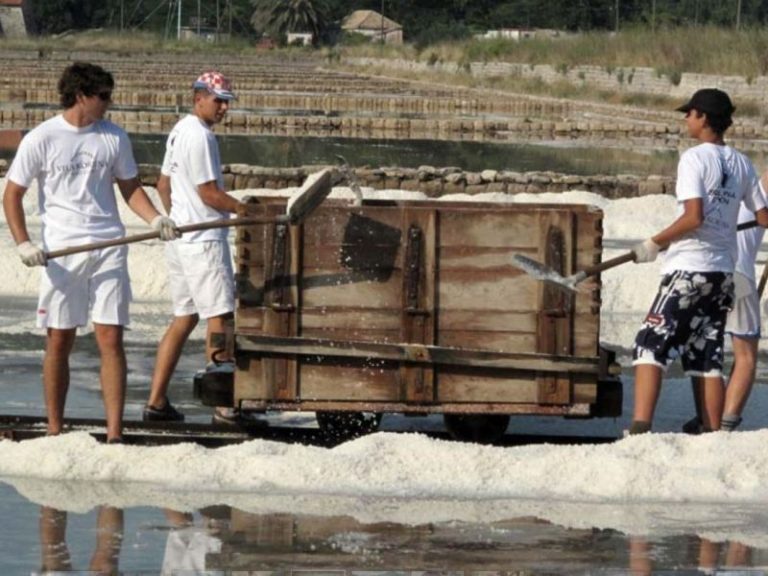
column 74, row 158
column 201, row 277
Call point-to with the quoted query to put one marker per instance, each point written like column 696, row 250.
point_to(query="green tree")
column 278, row 17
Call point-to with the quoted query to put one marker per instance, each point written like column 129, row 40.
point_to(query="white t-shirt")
column 748, row 241
column 74, row 168
column 191, row 159
column 186, row 549
column 723, row 178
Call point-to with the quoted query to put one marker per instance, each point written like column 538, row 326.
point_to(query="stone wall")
column 622, row 79
column 435, row 182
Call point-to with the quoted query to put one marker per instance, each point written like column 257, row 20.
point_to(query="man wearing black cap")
column 687, row 318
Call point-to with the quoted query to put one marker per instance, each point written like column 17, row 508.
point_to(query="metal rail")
column 17, row 428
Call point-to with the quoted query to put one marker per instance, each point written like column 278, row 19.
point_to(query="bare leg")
column 58, row 347
column 217, row 324
column 109, row 540
column 738, row 555
column 742, row 375
column 109, row 338
column 712, row 394
column 709, row 554
column 53, row 542
column 221, row 325
column 647, row 387
column 639, row 557
column 168, row 354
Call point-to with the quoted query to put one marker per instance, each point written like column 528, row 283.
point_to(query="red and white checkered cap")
column 216, row 83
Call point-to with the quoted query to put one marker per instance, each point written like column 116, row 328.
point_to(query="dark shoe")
column 639, row 427
column 234, row 418
column 165, row 414
column 227, row 417
column 693, row 426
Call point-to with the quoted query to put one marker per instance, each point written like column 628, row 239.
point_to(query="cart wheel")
column 480, row 428
column 343, row 426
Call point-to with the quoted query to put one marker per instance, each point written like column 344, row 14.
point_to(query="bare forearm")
column 14, row 213
column 216, row 198
column 137, row 199
column 691, row 218
column 676, row 230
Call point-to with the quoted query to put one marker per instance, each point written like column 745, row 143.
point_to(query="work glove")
column 31, row 254
column 166, row 227
column 646, row 251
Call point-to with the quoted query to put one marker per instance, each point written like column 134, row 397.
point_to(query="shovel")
column 314, row 190
column 544, row 273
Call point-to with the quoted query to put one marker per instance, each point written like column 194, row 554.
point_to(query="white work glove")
column 646, row 251
column 31, row 254
column 166, row 227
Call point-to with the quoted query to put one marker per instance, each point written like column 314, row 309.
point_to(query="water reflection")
column 191, row 541
column 55, row 556
column 224, row 539
column 586, row 158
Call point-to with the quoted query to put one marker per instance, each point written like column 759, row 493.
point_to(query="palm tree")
column 283, row 16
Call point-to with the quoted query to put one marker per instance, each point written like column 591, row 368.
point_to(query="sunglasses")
column 104, row 96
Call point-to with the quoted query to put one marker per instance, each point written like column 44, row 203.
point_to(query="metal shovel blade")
column 544, row 273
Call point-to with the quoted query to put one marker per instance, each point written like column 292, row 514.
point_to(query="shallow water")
column 57, row 525
column 567, row 157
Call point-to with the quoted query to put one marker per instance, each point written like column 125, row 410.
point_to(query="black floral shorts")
column 687, row 321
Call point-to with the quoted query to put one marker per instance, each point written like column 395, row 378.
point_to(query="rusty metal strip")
column 575, row 410
column 266, row 345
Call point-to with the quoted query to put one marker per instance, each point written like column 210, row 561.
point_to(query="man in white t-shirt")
column 74, row 158
column 200, row 272
column 743, row 326
column 687, row 318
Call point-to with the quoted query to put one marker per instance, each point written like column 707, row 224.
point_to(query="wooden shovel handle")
column 612, row 263
column 223, row 223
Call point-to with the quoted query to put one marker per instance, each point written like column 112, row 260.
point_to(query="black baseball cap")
column 709, row 101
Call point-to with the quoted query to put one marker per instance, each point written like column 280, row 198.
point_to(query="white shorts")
column 94, row 282
column 201, row 278
column 744, row 319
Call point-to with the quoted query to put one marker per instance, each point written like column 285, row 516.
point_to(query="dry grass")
column 127, row 42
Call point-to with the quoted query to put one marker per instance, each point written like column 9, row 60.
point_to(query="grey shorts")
column 687, row 321
column 744, row 319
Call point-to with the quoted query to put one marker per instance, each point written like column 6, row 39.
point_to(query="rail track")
column 17, row 428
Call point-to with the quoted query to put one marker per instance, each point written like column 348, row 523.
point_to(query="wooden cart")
column 415, row 307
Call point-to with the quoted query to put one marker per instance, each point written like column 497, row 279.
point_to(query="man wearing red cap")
column 688, row 316
column 200, row 272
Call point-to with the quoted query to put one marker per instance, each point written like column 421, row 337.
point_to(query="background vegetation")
column 424, row 21
column 671, row 36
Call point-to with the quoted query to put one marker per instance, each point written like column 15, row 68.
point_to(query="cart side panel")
column 429, row 273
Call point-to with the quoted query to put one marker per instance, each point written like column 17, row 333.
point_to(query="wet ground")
column 53, row 527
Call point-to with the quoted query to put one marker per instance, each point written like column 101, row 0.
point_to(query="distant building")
column 15, row 18
column 519, row 34
column 373, row 25
column 204, row 33
column 303, row 38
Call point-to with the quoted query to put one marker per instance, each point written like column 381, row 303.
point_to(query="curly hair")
column 83, row 78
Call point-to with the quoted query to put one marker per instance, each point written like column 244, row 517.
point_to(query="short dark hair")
column 719, row 123
column 83, row 78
